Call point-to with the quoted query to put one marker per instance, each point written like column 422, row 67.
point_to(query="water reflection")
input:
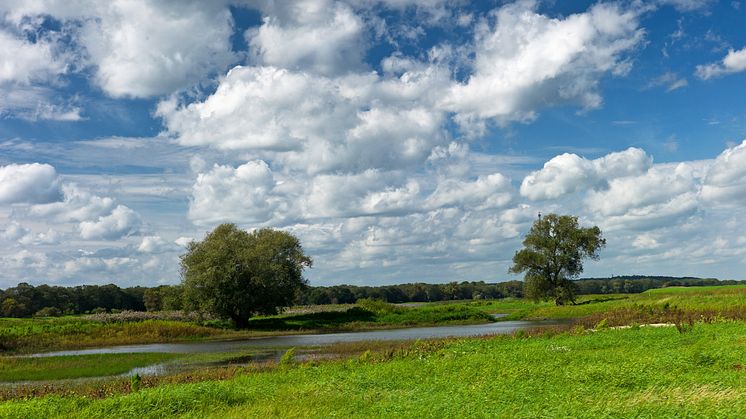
column 288, row 341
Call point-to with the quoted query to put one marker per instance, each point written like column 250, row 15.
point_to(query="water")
column 327, row 339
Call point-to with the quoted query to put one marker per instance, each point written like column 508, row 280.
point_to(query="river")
column 288, row 341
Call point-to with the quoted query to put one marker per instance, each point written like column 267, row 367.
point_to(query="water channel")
column 272, row 347
column 288, row 341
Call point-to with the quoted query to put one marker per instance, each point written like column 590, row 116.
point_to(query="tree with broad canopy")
column 553, row 255
column 236, row 274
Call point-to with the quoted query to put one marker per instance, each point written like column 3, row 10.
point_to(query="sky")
column 400, row 140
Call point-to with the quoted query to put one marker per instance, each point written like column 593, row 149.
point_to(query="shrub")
column 48, row 312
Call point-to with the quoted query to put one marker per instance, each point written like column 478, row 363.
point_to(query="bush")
column 48, row 312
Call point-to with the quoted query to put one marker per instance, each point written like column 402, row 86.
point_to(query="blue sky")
column 400, row 140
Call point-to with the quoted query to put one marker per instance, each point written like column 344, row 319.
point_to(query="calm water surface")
column 288, row 341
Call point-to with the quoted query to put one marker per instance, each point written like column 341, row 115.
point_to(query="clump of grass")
column 135, row 382
column 288, row 358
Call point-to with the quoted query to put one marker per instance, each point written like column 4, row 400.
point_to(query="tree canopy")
column 236, row 274
column 553, row 255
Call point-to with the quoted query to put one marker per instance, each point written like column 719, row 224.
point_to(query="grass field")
column 697, row 368
column 640, row 371
column 65, row 367
column 727, row 301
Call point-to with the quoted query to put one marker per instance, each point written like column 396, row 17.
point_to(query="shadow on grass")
column 601, row 300
column 322, row 320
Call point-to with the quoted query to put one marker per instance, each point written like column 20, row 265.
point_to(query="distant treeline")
column 632, row 284
column 25, row 300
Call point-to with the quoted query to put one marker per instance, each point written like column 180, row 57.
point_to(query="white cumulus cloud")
column 734, row 62
column 120, row 223
column 526, row 60
column 725, row 182
column 321, row 36
column 568, row 173
column 29, row 183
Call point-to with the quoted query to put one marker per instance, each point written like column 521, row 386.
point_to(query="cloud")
column 78, row 205
column 315, row 123
column 725, row 182
column 156, row 245
column 183, row 241
column 120, row 223
column 14, row 232
column 98, row 218
column 24, row 62
column 526, row 60
column 143, row 49
column 247, row 193
column 325, row 37
column 568, row 173
column 491, row 191
column 25, row 261
column 686, row 5
column 36, row 103
column 625, row 194
column 97, row 265
column 670, row 80
column 29, row 183
column 734, row 62
column 136, row 49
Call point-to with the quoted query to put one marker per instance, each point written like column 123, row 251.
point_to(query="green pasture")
column 633, row 372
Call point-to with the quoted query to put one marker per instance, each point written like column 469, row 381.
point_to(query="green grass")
column 372, row 315
column 722, row 299
column 78, row 366
column 29, row 335
column 648, row 372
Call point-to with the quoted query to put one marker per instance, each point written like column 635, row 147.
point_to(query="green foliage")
column 553, row 255
column 288, row 358
column 135, row 382
column 48, row 312
column 235, row 274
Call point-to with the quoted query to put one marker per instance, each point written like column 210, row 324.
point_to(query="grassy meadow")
column 639, row 371
column 694, row 366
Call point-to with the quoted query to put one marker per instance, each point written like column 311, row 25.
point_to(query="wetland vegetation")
column 695, row 366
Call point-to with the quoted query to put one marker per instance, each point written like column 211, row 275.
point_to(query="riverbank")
column 19, row 336
column 654, row 372
column 667, row 305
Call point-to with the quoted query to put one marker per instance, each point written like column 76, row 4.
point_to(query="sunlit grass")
column 648, row 372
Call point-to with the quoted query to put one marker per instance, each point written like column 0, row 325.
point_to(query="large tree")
column 553, row 255
column 235, row 274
